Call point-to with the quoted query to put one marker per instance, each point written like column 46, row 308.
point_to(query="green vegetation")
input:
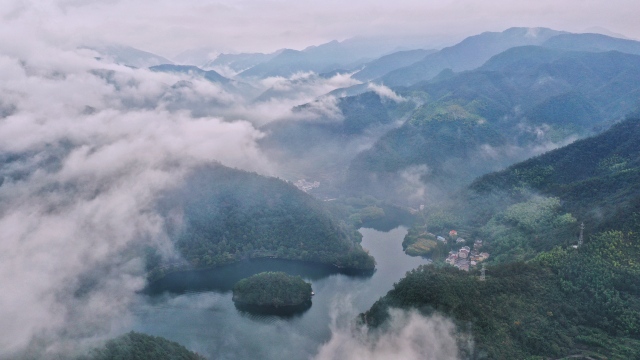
column 141, row 347
column 470, row 123
column 537, row 204
column 526, row 228
column 562, row 302
column 274, row 289
column 543, row 297
column 367, row 211
column 230, row 215
column 418, row 242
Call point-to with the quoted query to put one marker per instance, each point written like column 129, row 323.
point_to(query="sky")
column 168, row 27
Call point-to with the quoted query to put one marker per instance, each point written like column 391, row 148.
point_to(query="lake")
column 196, row 310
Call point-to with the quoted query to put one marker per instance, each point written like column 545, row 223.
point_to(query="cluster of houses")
column 305, row 185
column 465, row 256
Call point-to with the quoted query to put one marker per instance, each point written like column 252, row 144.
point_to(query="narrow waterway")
column 202, row 315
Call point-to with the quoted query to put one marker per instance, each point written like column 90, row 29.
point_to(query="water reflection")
column 281, row 311
column 205, row 319
column 223, row 278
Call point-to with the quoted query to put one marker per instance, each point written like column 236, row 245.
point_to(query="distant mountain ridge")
column 502, row 104
column 544, row 294
column 388, row 63
column 191, row 70
column 229, row 215
column 468, row 54
column 130, row 56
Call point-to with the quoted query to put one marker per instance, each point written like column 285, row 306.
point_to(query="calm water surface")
column 202, row 316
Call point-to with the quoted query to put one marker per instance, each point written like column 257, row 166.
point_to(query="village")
column 465, row 257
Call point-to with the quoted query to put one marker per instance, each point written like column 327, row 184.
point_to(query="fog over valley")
column 451, row 180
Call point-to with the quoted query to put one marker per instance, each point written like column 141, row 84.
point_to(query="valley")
column 458, row 194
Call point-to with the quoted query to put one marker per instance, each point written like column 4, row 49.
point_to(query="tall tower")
column 581, row 238
column 482, row 271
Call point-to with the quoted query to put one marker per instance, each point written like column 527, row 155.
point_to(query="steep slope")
column 481, row 120
column 191, row 70
column 468, row 54
column 543, row 297
column 286, row 63
column 388, row 63
column 129, row 56
column 334, row 55
column 564, row 303
column 320, row 146
column 595, row 179
column 222, row 215
column 593, row 43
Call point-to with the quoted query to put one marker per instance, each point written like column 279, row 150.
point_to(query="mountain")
column 191, row 70
column 239, row 62
column 543, row 297
column 595, row 180
column 126, row 55
column 197, row 57
column 346, row 55
column 227, row 215
column 563, row 304
column 328, row 134
column 285, row 64
column 470, row 53
column 592, row 42
column 523, row 99
column 379, row 67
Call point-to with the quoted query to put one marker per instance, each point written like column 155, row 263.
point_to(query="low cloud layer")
column 408, row 336
column 169, row 27
column 86, row 147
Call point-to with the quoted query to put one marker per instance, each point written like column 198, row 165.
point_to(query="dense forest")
column 563, row 302
column 226, row 215
column 475, row 121
column 367, row 211
column 272, row 289
column 539, row 203
column 544, row 295
column 141, row 347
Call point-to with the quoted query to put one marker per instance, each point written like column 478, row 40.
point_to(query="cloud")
column 407, row 335
column 86, row 148
column 85, row 151
column 169, row 27
column 385, row 92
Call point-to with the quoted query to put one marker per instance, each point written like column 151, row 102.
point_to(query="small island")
column 268, row 291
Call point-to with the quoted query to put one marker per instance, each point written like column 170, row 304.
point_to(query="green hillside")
column 482, row 120
column 594, row 181
column 141, row 347
column 564, row 302
column 543, row 296
column 468, row 54
column 272, row 289
column 230, row 215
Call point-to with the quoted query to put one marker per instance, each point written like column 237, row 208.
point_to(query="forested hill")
column 540, row 203
column 479, row 121
column 226, row 215
column 545, row 295
column 583, row 302
column 596, row 179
